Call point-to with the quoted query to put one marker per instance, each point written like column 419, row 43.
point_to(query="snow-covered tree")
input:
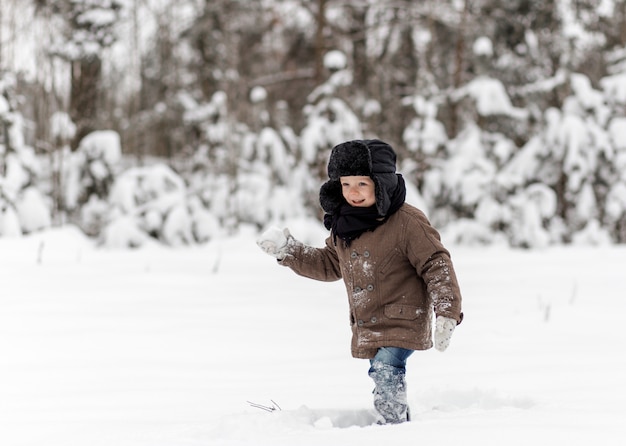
column 23, row 207
column 87, row 28
column 88, row 175
column 62, row 132
column 329, row 119
column 613, row 169
column 508, row 117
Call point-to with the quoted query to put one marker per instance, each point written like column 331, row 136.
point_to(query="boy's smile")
column 359, row 191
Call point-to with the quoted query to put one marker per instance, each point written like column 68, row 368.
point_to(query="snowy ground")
column 164, row 347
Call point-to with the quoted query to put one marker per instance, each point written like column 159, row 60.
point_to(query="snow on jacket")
column 396, row 277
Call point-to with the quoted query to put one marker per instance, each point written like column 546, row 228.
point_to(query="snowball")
column 274, row 235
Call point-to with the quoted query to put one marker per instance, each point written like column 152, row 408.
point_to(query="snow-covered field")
column 165, row 347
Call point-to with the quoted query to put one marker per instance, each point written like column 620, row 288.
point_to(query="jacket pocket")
column 405, row 312
column 383, row 267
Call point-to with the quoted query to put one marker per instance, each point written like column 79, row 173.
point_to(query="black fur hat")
column 369, row 157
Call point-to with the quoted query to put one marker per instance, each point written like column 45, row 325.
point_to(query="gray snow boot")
column 390, row 399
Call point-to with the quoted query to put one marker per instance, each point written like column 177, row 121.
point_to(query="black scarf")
column 349, row 222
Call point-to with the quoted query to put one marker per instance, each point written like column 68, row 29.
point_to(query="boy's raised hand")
column 274, row 242
column 444, row 327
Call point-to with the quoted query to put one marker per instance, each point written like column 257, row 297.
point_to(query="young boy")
column 394, row 266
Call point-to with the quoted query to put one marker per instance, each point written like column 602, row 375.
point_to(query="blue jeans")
column 394, row 356
column 387, row 369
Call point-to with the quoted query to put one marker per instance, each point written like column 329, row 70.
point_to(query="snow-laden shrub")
column 91, row 170
column 592, row 234
column 267, row 148
column 123, row 232
column 204, row 224
column 23, row 208
column 566, row 183
column 33, row 210
column 521, row 220
column 153, row 202
column 470, row 232
column 530, row 209
column 615, row 211
column 9, row 220
column 425, row 135
column 490, row 98
column 329, row 122
column 468, row 172
column 217, row 136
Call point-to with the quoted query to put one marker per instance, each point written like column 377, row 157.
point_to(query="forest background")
column 183, row 120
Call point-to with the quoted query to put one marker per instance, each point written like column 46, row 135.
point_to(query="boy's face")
column 359, row 191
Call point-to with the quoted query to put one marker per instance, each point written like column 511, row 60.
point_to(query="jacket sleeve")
column 443, row 288
column 315, row 263
column 433, row 264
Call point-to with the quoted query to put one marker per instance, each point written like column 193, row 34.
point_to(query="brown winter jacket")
column 395, row 277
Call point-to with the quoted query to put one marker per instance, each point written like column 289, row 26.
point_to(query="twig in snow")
column 572, row 298
column 218, row 260
column 40, row 252
column 271, row 408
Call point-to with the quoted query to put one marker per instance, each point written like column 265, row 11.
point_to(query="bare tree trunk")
column 84, row 95
column 622, row 28
column 459, row 59
column 357, row 35
column 319, row 41
column 136, row 68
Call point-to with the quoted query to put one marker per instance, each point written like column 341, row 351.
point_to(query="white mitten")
column 274, row 242
column 444, row 327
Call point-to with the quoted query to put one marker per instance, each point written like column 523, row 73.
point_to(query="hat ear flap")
column 331, row 196
column 382, row 201
column 385, row 185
